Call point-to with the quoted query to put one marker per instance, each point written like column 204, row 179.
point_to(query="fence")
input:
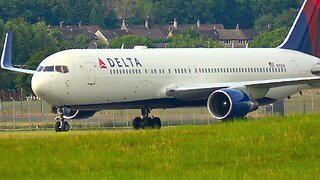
column 19, row 112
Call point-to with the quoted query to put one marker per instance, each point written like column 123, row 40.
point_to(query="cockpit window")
column 39, row 69
column 65, row 69
column 62, row 69
column 48, row 69
column 58, row 69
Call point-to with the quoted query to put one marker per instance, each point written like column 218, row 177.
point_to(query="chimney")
column 170, row 25
column 80, row 25
column 124, row 25
column 237, row 27
column 61, row 24
column 146, row 23
column 198, row 24
column 175, row 23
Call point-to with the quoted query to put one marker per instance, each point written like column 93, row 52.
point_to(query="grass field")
column 270, row 148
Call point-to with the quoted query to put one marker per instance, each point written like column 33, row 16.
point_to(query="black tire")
column 157, row 123
column 65, row 126
column 57, row 126
column 152, row 123
column 137, row 123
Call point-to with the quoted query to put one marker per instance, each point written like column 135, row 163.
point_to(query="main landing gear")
column 61, row 125
column 145, row 121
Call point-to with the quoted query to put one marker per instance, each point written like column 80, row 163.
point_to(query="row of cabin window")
column 136, row 71
column 125, row 71
column 200, row 70
column 239, row 70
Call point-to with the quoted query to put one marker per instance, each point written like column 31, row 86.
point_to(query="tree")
column 129, row 41
column 273, row 7
column 191, row 39
column 264, row 23
column 186, row 11
column 1, row 29
column 286, row 18
column 107, row 13
column 270, row 39
column 80, row 41
column 96, row 16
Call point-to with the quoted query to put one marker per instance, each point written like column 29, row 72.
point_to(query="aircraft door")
column 91, row 76
column 295, row 68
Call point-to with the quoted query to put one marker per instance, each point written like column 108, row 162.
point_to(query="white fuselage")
column 146, row 74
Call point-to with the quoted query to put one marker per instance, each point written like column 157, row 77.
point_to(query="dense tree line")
column 270, row 39
column 108, row 13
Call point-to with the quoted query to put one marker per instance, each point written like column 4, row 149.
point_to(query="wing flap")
column 6, row 58
column 204, row 90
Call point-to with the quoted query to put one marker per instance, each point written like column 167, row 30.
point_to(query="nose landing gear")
column 145, row 121
column 61, row 125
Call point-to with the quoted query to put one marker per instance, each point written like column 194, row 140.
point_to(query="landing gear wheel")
column 157, row 123
column 57, row 126
column 137, row 123
column 61, row 124
column 145, row 121
column 151, row 123
column 65, row 126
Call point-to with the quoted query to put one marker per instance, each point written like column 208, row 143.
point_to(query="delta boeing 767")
column 230, row 82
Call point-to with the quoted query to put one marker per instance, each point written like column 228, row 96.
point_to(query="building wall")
column 234, row 43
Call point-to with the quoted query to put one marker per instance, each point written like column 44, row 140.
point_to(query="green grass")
column 270, row 148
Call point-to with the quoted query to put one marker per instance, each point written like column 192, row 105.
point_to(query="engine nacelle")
column 76, row 114
column 230, row 103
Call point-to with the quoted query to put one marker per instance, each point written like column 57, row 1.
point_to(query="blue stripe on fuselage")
column 299, row 39
column 155, row 104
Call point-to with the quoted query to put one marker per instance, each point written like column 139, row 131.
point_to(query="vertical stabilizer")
column 304, row 35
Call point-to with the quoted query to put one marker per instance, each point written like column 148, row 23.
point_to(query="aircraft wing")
column 6, row 58
column 204, row 90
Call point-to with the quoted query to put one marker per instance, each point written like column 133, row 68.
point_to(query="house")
column 229, row 38
column 236, row 38
column 66, row 31
column 154, row 33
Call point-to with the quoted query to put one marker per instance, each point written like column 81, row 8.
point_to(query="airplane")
column 230, row 82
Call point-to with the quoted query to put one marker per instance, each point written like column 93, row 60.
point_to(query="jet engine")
column 77, row 114
column 230, row 103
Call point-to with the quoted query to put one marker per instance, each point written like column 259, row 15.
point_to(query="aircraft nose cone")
column 41, row 85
